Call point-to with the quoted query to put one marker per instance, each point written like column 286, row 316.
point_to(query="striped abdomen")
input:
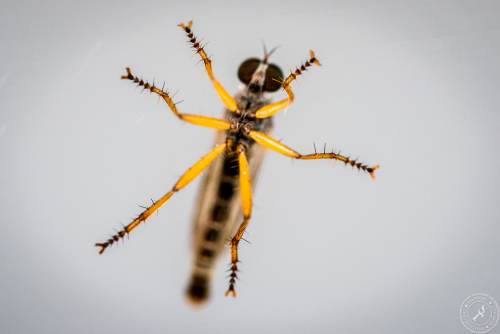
column 216, row 220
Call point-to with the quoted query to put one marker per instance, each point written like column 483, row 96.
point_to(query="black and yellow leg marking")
column 273, row 108
column 281, row 148
column 246, row 207
column 183, row 181
column 206, row 121
column 225, row 97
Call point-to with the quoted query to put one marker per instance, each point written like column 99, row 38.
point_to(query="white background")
column 412, row 85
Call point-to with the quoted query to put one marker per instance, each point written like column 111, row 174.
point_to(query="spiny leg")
column 210, row 122
column 183, row 181
column 225, row 97
column 273, row 108
column 246, row 207
column 281, row 148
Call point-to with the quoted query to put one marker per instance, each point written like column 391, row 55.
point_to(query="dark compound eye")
column 274, row 76
column 247, row 68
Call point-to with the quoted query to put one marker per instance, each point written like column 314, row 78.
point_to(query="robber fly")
column 232, row 165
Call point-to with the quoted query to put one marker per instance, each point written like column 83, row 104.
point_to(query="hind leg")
column 183, row 181
column 246, row 207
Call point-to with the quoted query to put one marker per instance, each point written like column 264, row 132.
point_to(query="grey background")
column 412, row 85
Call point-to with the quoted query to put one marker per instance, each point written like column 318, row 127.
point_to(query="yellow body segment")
column 272, row 144
column 210, row 122
column 245, row 185
column 225, row 97
column 199, row 166
column 273, row 108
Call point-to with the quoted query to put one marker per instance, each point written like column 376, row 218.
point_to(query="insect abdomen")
column 216, row 220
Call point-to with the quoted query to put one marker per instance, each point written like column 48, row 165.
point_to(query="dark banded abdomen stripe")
column 224, row 199
column 198, row 288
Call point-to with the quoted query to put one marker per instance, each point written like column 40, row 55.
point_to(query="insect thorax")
column 243, row 119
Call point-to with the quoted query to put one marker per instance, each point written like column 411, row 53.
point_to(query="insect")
column 242, row 137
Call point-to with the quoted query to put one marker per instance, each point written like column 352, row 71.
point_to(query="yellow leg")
column 273, row 108
column 281, row 148
column 246, row 207
column 210, row 122
column 225, row 97
column 183, row 181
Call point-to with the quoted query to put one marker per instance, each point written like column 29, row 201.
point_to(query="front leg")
column 225, row 97
column 273, row 108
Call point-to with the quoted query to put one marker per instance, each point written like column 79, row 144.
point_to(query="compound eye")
column 247, row 69
column 274, row 76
